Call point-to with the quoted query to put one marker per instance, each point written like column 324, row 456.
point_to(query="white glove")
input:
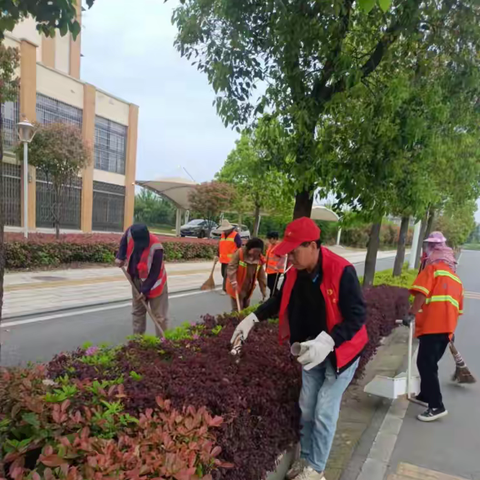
column 243, row 329
column 317, row 351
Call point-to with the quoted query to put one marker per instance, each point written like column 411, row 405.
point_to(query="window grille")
column 108, row 207
column 110, row 145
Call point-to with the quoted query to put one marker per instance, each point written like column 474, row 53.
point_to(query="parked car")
column 197, row 228
column 242, row 230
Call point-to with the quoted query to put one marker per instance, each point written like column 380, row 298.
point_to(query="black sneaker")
column 432, row 414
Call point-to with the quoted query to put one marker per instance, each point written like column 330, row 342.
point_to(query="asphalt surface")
column 32, row 339
column 452, row 445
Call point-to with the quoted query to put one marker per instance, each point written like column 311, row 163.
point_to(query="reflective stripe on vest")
column 443, row 298
column 445, row 273
column 421, row 289
column 227, row 247
column 275, row 264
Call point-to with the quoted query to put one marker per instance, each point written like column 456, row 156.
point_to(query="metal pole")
column 25, row 189
column 413, row 252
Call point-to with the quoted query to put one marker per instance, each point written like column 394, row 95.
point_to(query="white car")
column 241, row 229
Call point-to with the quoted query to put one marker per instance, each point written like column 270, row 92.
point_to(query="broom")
column 210, row 283
column 462, row 373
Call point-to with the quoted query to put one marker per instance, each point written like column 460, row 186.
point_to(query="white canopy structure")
column 323, row 213
column 175, row 189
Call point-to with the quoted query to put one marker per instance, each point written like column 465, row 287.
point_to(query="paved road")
column 39, row 338
column 451, row 446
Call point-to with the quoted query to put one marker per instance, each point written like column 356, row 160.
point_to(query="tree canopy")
column 259, row 188
column 60, row 153
column 291, row 58
column 49, row 15
column 210, row 199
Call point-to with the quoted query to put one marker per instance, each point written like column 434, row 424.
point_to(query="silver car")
column 241, row 229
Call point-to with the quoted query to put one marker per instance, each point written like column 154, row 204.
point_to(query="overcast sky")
column 128, row 51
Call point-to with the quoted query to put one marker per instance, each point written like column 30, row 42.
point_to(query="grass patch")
column 385, row 277
column 471, row 246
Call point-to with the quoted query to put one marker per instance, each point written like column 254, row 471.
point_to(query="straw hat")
column 225, row 225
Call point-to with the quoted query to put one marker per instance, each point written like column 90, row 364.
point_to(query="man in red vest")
column 321, row 310
column 275, row 265
column 142, row 252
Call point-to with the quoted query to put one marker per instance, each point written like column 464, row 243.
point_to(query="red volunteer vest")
column 145, row 264
column 333, row 267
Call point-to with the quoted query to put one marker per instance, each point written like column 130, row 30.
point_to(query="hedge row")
column 45, row 250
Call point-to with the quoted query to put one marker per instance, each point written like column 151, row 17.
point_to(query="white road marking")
column 72, row 313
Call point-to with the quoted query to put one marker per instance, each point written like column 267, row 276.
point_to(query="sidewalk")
column 404, row 448
column 45, row 291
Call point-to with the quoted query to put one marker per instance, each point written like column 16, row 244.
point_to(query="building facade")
column 51, row 91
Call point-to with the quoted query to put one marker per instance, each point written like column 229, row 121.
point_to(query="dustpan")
column 406, row 383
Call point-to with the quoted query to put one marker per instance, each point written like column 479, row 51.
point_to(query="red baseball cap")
column 297, row 232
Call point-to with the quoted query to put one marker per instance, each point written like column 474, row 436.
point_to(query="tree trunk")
column 402, row 237
column 303, row 204
column 372, row 250
column 2, row 220
column 56, row 209
column 421, row 239
column 431, row 218
column 256, row 224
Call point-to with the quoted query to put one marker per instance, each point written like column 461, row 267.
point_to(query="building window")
column 50, row 111
column 11, row 116
column 108, row 207
column 70, row 203
column 11, row 194
column 110, row 145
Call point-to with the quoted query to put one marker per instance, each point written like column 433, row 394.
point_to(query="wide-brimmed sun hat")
column 225, row 225
column 436, row 237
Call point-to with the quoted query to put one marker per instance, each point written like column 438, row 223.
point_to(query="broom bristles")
column 463, row 375
column 209, row 284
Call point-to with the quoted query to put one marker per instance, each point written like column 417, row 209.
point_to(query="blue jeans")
column 320, row 400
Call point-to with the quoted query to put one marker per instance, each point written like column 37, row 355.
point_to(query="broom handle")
column 453, row 349
column 145, row 304
column 214, row 265
column 409, row 364
column 238, row 300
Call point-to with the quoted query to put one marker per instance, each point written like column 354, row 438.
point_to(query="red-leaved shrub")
column 43, row 250
column 256, row 395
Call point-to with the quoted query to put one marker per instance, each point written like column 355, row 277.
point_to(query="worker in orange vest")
column 142, row 252
column 438, row 303
column 243, row 272
column 229, row 243
column 275, row 264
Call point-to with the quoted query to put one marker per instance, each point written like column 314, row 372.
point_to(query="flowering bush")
column 43, row 250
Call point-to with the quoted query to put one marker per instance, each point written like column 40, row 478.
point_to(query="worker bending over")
column 438, row 303
column 320, row 305
column 142, row 252
column 243, row 272
column 229, row 243
column 275, row 264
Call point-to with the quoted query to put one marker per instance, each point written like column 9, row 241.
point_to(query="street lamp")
column 26, row 132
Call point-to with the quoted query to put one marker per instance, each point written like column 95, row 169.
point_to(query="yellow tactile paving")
column 406, row 471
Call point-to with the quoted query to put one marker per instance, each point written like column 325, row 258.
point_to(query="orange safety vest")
column 275, row 264
column 145, row 264
column 242, row 274
column 227, row 247
column 333, row 266
column 444, row 303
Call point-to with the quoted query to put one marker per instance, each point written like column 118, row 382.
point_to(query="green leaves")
column 367, row 5
column 385, row 4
